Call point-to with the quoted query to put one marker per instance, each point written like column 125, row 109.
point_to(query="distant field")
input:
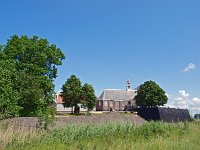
column 109, row 136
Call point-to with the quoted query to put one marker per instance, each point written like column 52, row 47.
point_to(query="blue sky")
column 107, row 42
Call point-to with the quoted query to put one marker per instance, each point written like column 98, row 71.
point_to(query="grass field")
column 118, row 136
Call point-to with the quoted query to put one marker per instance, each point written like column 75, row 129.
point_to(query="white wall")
column 60, row 108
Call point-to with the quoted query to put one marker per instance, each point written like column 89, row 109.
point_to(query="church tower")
column 128, row 85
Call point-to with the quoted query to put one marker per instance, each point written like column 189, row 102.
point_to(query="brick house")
column 117, row 99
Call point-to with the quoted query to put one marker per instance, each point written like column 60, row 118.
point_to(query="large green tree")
column 74, row 93
column 88, row 96
column 71, row 92
column 35, row 63
column 150, row 94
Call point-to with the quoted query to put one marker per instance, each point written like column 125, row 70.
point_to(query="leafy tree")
column 35, row 63
column 9, row 97
column 88, row 96
column 71, row 92
column 150, row 94
column 197, row 116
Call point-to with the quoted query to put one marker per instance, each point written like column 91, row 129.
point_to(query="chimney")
column 128, row 85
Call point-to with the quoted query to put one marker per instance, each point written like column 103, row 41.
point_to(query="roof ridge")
column 114, row 89
column 104, row 94
column 118, row 90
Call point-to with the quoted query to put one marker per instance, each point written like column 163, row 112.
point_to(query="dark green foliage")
column 35, row 63
column 73, row 94
column 197, row 116
column 88, row 96
column 150, row 94
column 9, row 97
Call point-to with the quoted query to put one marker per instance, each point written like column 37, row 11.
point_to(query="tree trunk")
column 77, row 109
column 72, row 111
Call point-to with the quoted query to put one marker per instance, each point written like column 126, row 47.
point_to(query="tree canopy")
column 197, row 116
column 35, row 62
column 150, row 94
column 74, row 93
column 88, row 96
column 71, row 92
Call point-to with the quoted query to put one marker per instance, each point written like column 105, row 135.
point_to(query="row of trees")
column 74, row 93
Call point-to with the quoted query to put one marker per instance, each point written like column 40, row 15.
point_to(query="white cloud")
column 183, row 94
column 196, row 100
column 181, row 98
column 196, row 109
column 184, row 101
column 178, row 98
column 190, row 66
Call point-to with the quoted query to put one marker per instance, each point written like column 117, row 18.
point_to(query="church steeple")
column 128, row 85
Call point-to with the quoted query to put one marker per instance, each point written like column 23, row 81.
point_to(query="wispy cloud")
column 190, row 66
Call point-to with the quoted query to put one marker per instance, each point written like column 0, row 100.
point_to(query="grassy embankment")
column 152, row 135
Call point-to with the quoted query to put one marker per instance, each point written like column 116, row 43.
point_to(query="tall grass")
column 9, row 135
column 151, row 135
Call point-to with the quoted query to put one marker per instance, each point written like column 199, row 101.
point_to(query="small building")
column 117, row 99
column 61, row 109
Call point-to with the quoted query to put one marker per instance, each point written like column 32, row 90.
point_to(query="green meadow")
column 118, row 136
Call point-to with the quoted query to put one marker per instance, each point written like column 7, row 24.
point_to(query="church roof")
column 117, row 95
